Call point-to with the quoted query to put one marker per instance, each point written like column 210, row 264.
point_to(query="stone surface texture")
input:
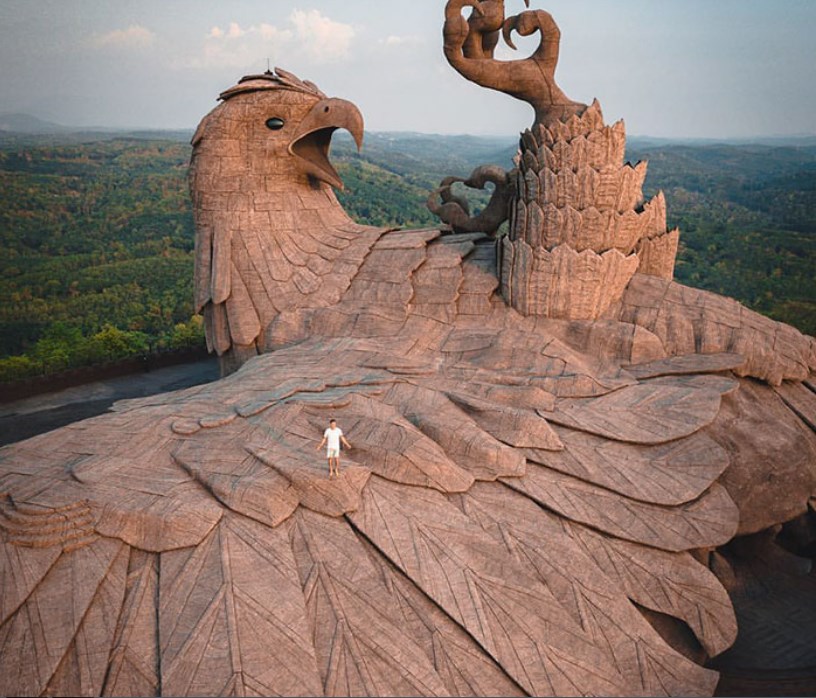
column 531, row 502
column 578, row 228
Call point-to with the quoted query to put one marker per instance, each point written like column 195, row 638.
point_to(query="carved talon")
column 507, row 31
column 527, row 24
column 456, row 28
column 484, row 174
column 455, row 211
column 448, row 197
column 454, row 9
column 512, row 23
column 485, row 29
column 469, row 49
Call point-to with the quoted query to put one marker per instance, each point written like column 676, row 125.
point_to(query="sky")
column 670, row 68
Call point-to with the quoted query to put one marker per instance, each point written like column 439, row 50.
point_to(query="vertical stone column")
column 578, row 227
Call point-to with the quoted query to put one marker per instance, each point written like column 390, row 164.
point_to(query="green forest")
column 97, row 236
column 747, row 219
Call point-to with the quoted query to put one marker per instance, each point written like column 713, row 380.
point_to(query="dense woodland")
column 97, row 233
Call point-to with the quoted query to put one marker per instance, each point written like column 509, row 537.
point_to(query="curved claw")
column 484, row 174
column 448, row 181
column 445, row 193
column 455, row 210
column 508, row 27
column 524, row 24
column 469, row 47
column 455, row 7
column 456, row 28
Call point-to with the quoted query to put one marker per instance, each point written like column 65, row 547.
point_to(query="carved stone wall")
column 578, row 227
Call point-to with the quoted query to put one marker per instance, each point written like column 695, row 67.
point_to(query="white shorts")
column 332, row 453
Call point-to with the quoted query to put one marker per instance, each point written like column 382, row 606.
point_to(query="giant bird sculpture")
column 550, row 438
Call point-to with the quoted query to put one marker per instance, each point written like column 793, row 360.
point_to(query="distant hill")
column 382, row 146
column 24, row 129
column 25, row 123
column 773, row 141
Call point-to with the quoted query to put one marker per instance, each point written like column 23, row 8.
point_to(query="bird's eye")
column 275, row 124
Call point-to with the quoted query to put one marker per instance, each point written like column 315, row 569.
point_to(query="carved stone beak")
column 313, row 138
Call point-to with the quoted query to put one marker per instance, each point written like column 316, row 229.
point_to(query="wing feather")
column 221, row 270
column 244, row 324
column 35, row 639
column 203, row 263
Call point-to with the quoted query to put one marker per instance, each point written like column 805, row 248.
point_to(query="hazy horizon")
column 509, row 137
column 678, row 69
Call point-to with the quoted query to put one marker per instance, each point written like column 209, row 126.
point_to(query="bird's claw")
column 524, row 24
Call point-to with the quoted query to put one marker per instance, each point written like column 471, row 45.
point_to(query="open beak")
column 313, row 138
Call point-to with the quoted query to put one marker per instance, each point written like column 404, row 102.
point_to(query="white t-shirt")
column 332, row 437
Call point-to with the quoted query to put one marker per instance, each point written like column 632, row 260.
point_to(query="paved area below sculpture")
column 774, row 599
column 30, row 416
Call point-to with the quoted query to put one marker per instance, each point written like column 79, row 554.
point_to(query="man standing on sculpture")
column 332, row 438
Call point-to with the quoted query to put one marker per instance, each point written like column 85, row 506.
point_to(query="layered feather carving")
column 577, row 200
column 488, row 488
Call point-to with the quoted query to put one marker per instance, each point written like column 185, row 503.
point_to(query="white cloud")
column 308, row 33
column 134, row 36
column 235, row 31
column 237, row 47
column 269, row 32
column 400, row 40
column 217, row 55
column 323, row 38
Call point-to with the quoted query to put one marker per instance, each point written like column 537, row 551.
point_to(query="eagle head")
column 272, row 127
column 271, row 236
